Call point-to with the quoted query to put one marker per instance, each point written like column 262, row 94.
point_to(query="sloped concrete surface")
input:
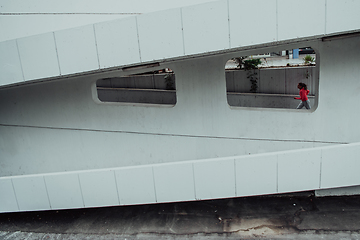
column 299, row 216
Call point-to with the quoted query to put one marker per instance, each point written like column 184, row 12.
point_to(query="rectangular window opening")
column 270, row 80
column 156, row 87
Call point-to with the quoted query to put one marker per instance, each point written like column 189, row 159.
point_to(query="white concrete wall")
column 58, row 126
column 280, row 172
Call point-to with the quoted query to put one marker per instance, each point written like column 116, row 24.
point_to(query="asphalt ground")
column 296, row 216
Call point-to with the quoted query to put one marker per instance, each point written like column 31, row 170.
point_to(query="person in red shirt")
column 303, row 96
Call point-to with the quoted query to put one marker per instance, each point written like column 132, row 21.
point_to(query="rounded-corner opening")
column 270, row 80
column 156, row 88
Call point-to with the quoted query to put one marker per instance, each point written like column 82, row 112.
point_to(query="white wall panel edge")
column 76, row 49
column 8, row 199
column 10, row 63
column 190, row 161
column 38, row 55
column 190, row 170
column 214, row 179
column 31, row 193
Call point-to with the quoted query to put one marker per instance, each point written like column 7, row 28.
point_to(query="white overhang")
column 205, row 29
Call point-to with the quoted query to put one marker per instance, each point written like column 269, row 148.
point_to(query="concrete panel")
column 264, row 100
column 31, row 193
column 160, row 35
column 299, row 170
column 256, row 175
column 205, row 27
column 117, row 42
column 144, row 82
column 340, row 166
column 10, row 65
column 174, row 182
column 137, row 96
column 99, row 188
column 342, row 191
column 342, row 16
column 8, row 202
column 246, row 16
column 271, row 81
column 310, row 24
column 214, row 179
column 295, row 75
column 38, row 56
column 77, row 50
column 241, row 82
column 136, row 185
column 64, row 191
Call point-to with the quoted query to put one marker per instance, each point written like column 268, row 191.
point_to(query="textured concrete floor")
column 300, row 216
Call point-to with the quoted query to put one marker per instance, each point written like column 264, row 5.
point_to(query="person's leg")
column 301, row 105
column 307, row 104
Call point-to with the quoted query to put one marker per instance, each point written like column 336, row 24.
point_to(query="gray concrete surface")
column 297, row 216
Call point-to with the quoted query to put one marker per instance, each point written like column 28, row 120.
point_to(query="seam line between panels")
column 138, row 37
column 182, row 30
column 57, row 54
column 47, row 192
column 21, row 65
column 277, row 173
column 277, row 21
column 321, row 154
column 154, row 184
column 96, row 46
column 229, row 28
column 17, row 202
column 81, row 191
column 193, row 171
column 117, row 189
column 326, row 4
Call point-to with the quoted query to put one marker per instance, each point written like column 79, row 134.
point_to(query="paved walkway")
column 301, row 216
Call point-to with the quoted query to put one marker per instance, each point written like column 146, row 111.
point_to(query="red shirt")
column 303, row 94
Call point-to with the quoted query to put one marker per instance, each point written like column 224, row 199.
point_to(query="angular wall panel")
column 99, row 188
column 10, row 65
column 77, row 50
column 117, row 42
column 136, row 185
column 299, row 170
column 214, row 179
column 174, row 182
column 206, row 27
column 64, row 191
column 256, row 175
column 38, row 56
column 292, row 24
column 8, row 202
column 340, row 166
column 31, row 193
column 251, row 24
column 272, row 81
column 160, row 35
column 340, row 15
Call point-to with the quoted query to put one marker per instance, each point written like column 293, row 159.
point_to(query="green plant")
column 250, row 66
column 309, row 59
column 252, row 76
